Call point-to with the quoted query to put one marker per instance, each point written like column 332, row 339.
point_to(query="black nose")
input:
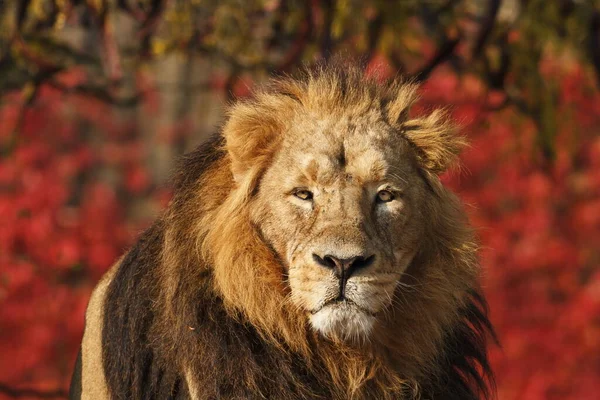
column 343, row 268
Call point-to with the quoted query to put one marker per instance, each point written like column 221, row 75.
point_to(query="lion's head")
column 319, row 220
column 339, row 184
column 341, row 205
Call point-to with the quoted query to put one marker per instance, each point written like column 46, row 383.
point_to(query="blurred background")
column 99, row 97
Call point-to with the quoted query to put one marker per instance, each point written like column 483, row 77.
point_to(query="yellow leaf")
column 28, row 91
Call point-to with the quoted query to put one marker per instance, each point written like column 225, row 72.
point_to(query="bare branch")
column 111, row 52
column 326, row 39
column 594, row 44
column 232, row 79
column 487, row 26
column 16, row 393
column 152, row 18
column 22, row 7
column 443, row 53
column 29, row 93
column 373, row 35
column 295, row 54
column 99, row 93
column 397, row 62
column 496, row 78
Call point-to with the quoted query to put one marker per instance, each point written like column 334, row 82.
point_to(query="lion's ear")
column 435, row 139
column 251, row 134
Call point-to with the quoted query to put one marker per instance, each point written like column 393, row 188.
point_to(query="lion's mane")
column 199, row 306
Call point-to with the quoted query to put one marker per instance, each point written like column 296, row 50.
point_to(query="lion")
column 309, row 251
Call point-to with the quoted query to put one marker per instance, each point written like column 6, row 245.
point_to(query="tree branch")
column 28, row 93
column 232, row 79
column 295, row 54
column 326, row 39
column 374, row 30
column 444, row 52
column 487, row 25
column 496, row 78
column 16, row 393
column 594, row 44
column 152, row 19
column 98, row 92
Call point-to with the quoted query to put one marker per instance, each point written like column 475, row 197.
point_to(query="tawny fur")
column 202, row 305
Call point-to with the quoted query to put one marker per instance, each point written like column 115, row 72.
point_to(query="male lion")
column 309, row 252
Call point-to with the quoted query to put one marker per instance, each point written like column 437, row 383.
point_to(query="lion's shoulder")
column 134, row 366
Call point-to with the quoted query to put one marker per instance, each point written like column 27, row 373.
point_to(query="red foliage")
column 540, row 228
column 62, row 225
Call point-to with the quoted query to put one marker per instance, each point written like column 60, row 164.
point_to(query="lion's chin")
column 343, row 320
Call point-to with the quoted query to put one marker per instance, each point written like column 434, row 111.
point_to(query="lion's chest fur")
column 233, row 361
column 225, row 358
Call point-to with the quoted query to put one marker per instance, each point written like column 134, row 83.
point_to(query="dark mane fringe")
column 191, row 166
column 467, row 371
column 132, row 368
column 132, row 365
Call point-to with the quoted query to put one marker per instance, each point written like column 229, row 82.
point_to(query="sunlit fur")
column 223, row 269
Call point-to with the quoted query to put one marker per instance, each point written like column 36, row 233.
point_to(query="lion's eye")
column 384, row 196
column 303, row 194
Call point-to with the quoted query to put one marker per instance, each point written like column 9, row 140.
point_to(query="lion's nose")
column 343, row 268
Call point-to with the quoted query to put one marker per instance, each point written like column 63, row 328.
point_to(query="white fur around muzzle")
column 343, row 320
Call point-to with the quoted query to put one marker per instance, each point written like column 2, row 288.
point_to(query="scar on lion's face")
column 340, row 206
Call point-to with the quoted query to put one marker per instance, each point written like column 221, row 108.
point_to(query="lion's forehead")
column 326, row 156
column 308, row 127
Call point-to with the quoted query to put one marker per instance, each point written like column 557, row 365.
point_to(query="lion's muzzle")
column 344, row 268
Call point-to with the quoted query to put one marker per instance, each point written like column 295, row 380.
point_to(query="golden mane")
column 211, row 252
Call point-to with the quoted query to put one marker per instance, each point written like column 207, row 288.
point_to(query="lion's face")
column 339, row 204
